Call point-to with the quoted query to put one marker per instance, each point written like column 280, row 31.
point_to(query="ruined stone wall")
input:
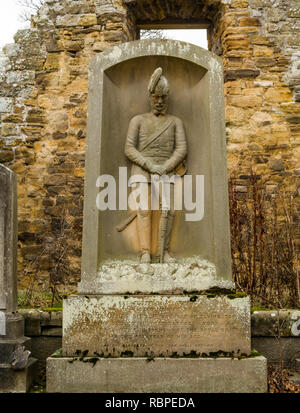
column 260, row 48
column 43, row 103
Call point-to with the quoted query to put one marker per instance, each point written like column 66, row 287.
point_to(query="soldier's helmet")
column 158, row 83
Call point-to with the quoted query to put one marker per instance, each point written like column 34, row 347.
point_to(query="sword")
column 124, row 224
column 162, row 235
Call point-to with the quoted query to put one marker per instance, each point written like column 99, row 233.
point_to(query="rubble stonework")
column 43, row 105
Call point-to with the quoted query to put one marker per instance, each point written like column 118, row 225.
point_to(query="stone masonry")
column 43, row 104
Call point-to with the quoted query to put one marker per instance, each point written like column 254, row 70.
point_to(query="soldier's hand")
column 159, row 169
column 149, row 166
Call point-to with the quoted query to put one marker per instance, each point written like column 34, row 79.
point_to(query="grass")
column 42, row 300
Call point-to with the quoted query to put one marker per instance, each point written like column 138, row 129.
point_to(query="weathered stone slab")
column 155, row 325
column 12, row 381
column 7, row 347
column 162, row 375
column 276, row 352
column 14, row 326
column 284, row 323
column 38, row 322
column 186, row 275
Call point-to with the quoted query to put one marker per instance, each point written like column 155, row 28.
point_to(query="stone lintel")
column 160, row 375
column 155, row 325
column 173, row 24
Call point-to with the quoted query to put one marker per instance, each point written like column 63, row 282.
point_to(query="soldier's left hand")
column 160, row 170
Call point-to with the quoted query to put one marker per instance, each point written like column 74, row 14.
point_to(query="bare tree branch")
column 153, row 34
column 29, row 7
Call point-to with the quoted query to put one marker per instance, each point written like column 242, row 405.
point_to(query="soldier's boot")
column 144, row 232
column 167, row 257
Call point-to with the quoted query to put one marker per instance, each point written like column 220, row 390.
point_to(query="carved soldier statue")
column 156, row 145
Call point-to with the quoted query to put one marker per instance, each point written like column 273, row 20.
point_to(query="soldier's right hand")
column 159, row 169
column 149, row 166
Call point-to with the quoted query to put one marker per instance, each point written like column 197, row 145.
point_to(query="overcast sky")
column 10, row 23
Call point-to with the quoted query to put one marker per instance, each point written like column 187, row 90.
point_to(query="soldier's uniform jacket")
column 169, row 147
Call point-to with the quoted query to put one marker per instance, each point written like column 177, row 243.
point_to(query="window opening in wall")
column 194, row 36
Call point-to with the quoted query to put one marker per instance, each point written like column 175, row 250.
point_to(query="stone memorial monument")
column 16, row 369
column 156, row 309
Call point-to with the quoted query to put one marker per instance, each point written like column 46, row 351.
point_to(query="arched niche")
column 118, row 91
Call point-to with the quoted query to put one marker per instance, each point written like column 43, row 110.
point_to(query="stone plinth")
column 12, row 381
column 186, row 275
column 160, row 375
column 156, row 325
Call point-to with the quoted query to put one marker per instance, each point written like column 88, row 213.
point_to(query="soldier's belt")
column 157, row 158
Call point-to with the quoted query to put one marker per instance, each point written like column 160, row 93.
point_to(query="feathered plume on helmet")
column 158, row 83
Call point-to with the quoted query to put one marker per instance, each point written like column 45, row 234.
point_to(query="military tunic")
column 169, row 147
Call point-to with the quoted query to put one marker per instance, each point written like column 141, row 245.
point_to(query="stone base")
column 157, row 325
column 121, row 277
column 7, row 347
column 159, row 375
column 12, row 381
column 14, row 326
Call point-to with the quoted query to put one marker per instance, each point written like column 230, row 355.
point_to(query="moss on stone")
column 237, row 294
column 51, row 309
column 127, row 353
column 221, row 353
column 92, row 360
column 260, row 308
column 175, row 355
column 191, row 354
column 58, row 353
column 219, row 291
column 253, row 353
column 215, row 292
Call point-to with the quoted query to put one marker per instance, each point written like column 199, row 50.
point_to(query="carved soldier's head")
column 159, row 91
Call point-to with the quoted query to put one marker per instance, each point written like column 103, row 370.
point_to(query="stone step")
column 159, row 375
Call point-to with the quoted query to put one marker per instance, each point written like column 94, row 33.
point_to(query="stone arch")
column 120, row 75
